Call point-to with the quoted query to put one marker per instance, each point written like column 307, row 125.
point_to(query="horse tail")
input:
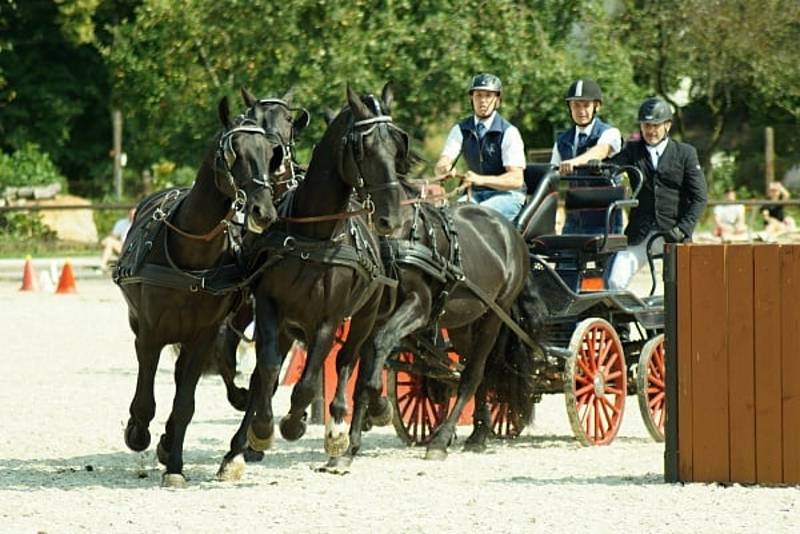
column 510, row 370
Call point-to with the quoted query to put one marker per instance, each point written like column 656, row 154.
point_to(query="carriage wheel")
column 505, row 422
column 651, row 381
column 417, row 413
column 595, row 382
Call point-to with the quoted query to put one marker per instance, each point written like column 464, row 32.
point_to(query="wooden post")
column 769, row 157
column 116, row 123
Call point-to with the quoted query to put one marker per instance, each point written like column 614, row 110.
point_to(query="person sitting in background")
column 776, row 222
column 730, row 220
column 112, row 243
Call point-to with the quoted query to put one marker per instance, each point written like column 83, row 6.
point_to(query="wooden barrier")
column 733, row 363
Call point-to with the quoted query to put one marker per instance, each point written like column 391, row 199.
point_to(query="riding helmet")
column 654, row 110
column 486, row 82
column 584, row 89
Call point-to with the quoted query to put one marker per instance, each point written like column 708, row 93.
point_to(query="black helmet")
column 654, row 110
column 486, row 82
column 584, row 89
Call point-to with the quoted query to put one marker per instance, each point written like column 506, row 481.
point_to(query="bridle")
column 288, row 146
column 224, row 160
column 354, row 141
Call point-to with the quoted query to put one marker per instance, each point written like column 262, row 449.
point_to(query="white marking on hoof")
column 336, row 438
column 233, row 470
column 173, row 480
column 259, row 444
column 436, row 455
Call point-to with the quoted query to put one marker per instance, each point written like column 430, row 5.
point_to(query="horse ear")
column 225, row 113
column 302, row 120
column 356, row 105
column 288, row 97
column 387, row 95
column 249, row 99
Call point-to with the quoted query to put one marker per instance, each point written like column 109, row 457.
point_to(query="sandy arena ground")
column 67, row 375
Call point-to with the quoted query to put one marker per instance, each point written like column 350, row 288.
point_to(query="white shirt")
column 512, row 146
column 656, row 151
column 611, row 137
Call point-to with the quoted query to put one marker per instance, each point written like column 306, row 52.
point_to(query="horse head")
column 282, row 122
column 372, row 156
column 247, row 158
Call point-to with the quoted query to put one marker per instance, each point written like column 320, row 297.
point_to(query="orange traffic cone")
column 66, row 282
column 29, row 282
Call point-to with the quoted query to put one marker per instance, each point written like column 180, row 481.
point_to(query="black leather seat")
column 538, row 215
column 591, row 243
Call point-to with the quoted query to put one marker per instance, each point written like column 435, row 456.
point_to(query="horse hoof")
column 336, row 438
column 231, row 470
column 162, row 452
column 259, row 444
column 475, row 446
column 137, row 439
column 385, row 416
column 237, row 397
column 436, row 454
column 173, row 480
column 292, row 429
column 337, row 466
column 251, row 456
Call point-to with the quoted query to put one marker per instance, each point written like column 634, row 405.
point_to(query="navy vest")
column 484, row 156
column 566, row 141
column 585, row 221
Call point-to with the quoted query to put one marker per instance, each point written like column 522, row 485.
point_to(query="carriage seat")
column 597, row 201
column 538, row 215
column 590, row 243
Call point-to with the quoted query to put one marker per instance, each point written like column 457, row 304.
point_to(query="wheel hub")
column 599, row 383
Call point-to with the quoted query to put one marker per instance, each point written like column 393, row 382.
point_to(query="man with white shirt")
column 589, row 139
column 673, row 195
column 492, row 148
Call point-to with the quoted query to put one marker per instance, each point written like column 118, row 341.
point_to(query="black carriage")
column 600, row 344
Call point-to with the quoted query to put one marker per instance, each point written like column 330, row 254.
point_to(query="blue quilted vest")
column 484, row 156
column 585, row 221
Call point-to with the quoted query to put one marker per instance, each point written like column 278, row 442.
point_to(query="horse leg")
column 233, row 463
column 337, row 441
column 225, row 349
column 256, row 432
column 165, row 443
column 261, row 432
column 471, row 377
column 143, row 405
column 293, row 425
column 481, row 422
column 412, row 314
column 183, row 406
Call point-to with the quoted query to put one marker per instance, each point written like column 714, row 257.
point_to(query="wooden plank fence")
column 733, row 363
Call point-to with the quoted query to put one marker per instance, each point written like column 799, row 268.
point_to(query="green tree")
column 730, row 55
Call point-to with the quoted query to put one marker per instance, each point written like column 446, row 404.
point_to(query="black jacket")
column 672, row 195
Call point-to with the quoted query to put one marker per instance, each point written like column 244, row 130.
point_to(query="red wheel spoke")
column 585, row 389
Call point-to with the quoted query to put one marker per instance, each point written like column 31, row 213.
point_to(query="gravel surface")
column 67, row 375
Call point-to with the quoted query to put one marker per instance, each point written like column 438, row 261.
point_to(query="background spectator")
column 730, row 219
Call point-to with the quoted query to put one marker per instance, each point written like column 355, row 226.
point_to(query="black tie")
column 480, row 129
column 582, row 139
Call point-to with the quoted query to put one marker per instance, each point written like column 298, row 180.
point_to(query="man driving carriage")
column 589, row 139
column 673, row 195
column 492, row 148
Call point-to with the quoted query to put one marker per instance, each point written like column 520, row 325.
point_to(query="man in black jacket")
column 673, row 195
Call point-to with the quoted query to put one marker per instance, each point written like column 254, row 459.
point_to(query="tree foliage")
column 65, row 64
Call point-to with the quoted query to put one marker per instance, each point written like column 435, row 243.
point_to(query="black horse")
column 282, row 122
column 322, row 264
column 456, row 268
column 178, row 274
